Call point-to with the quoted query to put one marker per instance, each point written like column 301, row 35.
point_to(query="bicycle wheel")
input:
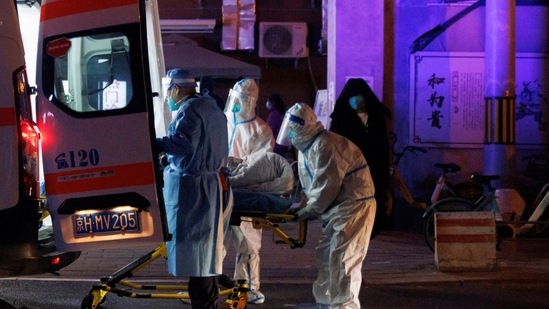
column 451, row 204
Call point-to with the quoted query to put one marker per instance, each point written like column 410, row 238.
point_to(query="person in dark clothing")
column 277, row 109
column 359, row 116
column 206, row 88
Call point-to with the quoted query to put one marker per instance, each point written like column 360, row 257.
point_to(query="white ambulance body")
column 23, row 250
column 95, row 111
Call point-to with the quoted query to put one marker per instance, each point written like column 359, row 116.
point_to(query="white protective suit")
column 337, row 187
column 248, row 134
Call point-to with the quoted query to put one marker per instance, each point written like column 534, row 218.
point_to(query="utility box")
column 465, row 241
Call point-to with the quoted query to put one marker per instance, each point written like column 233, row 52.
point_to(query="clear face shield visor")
column 288, row 124
column 238, row 102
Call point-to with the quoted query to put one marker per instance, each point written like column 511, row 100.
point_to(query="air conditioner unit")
column 187, row 25
column 283, row 40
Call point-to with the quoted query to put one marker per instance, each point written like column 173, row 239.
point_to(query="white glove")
column 305, row 214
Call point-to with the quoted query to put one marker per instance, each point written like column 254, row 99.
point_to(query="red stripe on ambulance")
column 101, row 178
column 7, row 117
column 52, row 10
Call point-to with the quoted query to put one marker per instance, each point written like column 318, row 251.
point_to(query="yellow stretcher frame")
column 236, row 295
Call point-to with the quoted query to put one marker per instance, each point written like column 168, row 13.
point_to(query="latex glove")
column 305, row 214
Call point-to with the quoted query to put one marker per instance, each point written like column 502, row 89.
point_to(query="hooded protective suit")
column 197, row 149
column 248, row 134
column 338, row 187
column 371, row 137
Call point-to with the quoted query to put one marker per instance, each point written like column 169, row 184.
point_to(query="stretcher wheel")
column 87, row 302
column 237, row 301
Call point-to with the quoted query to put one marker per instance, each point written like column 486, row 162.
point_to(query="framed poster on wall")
column 447, row 99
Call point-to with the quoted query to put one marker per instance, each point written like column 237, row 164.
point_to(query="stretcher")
column 235, row 292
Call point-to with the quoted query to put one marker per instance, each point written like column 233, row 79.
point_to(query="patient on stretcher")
column 261, row 182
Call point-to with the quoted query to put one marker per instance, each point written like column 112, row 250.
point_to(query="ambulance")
column 25, row 248
column 99, row 73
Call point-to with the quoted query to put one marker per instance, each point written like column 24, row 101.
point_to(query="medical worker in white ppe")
column 248, row 134
column 338, row 189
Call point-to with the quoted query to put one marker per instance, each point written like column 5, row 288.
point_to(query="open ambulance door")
column 95, row 110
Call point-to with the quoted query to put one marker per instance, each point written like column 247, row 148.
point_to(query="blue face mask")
column 236, row 108
column 357, row 102
column 171, row 103
column 269, row 105
column 291, row 134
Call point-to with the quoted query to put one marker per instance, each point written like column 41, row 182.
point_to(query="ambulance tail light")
column 29, row 136
column 55, row 261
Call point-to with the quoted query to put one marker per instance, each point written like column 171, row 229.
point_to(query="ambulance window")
column 94, row 73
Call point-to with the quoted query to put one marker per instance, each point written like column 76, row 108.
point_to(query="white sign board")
column 114, row 95
column 323, row 108
column 447, row 99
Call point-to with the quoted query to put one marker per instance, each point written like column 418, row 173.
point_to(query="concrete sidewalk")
column 393, row 258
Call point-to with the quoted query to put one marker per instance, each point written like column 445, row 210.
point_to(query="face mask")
column 357, row 102
column 236, row 108
column 171, row 103
column 269, row 105
column 292, row 135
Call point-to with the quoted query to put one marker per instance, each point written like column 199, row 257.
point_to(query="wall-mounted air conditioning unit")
column 283, row 40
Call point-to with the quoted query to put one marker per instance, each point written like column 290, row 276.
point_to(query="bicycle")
column 536, row 223
column 443, row 188
column 488, row 202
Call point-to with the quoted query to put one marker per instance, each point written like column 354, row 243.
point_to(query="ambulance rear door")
column 95, row 113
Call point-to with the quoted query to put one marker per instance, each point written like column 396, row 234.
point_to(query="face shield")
column 287, row 129
column 166, row 89
column 239, row 105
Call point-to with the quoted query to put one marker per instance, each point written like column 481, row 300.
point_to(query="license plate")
column 112, row 222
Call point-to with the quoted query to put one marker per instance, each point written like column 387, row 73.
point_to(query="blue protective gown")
column 196, row 146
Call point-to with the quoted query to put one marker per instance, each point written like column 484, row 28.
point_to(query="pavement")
column 394, row 258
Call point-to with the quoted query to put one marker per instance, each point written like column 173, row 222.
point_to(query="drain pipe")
column 499, row 77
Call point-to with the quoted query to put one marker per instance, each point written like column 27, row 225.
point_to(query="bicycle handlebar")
column 399, row 155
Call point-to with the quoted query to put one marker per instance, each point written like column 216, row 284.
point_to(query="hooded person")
column 338, row 189
column 359, row 116
column 196, row 149
column 248, row 134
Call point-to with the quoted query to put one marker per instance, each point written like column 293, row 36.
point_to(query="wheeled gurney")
column 235, row 292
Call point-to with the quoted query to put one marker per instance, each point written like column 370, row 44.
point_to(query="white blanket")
column 262, row 172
